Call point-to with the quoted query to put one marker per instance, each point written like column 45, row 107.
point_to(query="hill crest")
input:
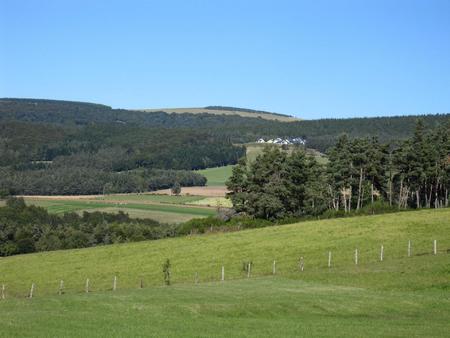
column 225, row 110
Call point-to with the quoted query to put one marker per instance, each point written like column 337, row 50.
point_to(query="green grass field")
column 158, row 207
column 259, row 307
column 401, row 296
column 217, row 176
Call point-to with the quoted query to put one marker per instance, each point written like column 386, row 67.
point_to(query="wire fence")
column 244, row 270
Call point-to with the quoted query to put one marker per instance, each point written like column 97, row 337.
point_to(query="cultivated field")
column 162, row 208
column 207, row 191
column 266, row 116
column 399, row 296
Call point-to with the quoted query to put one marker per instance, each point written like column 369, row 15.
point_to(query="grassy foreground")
column 401, row 296
column 259, row 307
column 205, row 254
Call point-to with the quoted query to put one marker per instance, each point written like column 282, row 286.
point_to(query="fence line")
column 249, row 268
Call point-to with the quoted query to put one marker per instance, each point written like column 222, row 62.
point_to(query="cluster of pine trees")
column 360, row 173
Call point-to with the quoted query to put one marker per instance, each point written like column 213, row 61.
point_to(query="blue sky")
column 312, row 59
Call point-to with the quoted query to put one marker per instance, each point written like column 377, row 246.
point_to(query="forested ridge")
column 63, row 147
column 320, row 134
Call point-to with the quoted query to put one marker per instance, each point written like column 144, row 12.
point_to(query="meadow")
column 259, row 307
column 217, row 176
column 399, row 296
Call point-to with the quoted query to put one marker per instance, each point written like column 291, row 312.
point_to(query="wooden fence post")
column 249, row 268
column 381, row 253
column 356, row 256
column 32, row 290
column 61, row 287
column 329, row 259
column 274, row 268
column 302, row 264
column 223, row 273
column 115, row 283
column 409, row 248
column 3, row 291
column 141, row 285
column 435, row 247
column 87, row 285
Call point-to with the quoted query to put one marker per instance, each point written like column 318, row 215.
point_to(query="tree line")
column 72, row 180
column 26, row 229
column 362, row 173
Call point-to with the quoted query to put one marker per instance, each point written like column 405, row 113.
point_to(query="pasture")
column 399, row 296
column 258, row 307
column 205, row 254
column 217, row 176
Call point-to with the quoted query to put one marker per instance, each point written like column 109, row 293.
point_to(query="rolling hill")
column 399, row 296
column 219, row 110
column 65, row 148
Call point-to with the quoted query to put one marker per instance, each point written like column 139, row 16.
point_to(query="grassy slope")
column 398, row 297
column 206, row 254
column 217, row 176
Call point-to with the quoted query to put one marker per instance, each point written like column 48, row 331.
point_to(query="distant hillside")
column 63, row 147
column 229, row 126
column 221, row 110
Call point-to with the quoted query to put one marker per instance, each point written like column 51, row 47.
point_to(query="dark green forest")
column 62, row 147
column 25, row 229
column 320, row 134
column 362, row 173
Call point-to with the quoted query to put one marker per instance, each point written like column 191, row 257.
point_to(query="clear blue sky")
column 307, row 58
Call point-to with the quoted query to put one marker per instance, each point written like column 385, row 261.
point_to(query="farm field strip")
column 60, row 206
column 159, row 208
column 213, row 202
column 153, row 198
